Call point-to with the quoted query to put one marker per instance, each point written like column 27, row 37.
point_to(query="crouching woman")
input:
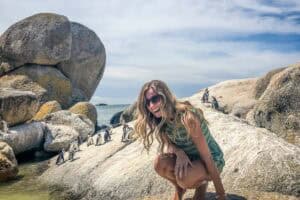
column 189, row 156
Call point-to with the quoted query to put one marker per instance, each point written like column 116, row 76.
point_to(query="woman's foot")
column 200, row 192
column 179, row 192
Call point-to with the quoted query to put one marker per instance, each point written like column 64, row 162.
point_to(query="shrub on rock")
column 45, row 109
column 85, row 108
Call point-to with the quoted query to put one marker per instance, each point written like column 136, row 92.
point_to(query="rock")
column 85, row 108
column 241, row 109
column 236, row 97
column 23, row 83
column 17, row 106
column 59, row 137
column 45, row 109
column 83, row 125
column 86, row 66
column 129, row 113
column 5, row 67
column 24, row 137
column 43, row 38
column 3, row 126
column 279, row 105
column 263, row 82
column 42, row 78
column 8, row 162
column 115, row 119
column 256, row 160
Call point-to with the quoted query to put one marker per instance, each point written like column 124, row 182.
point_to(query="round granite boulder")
column 43, row 38
column 8, row 162
column 86, row 66
column 278, row 108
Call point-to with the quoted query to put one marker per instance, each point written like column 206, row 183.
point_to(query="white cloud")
column 179, row 41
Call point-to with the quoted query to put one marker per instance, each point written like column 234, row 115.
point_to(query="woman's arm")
column 193, row 126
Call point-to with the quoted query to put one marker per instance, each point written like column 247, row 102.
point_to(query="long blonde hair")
column 147, row 126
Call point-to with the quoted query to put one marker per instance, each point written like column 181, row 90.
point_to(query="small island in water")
column 101, row 104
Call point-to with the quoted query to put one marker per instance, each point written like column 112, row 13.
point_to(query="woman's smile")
column 153, row 102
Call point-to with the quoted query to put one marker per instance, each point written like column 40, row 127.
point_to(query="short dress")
column 179, row 136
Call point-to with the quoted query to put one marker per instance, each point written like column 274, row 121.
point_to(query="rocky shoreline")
column 45, row 62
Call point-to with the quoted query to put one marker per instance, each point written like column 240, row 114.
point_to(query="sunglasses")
column 154, row 99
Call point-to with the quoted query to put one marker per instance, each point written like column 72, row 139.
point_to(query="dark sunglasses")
column 154, row 99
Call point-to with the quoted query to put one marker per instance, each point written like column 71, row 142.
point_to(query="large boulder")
column 43, row 38
column 263, row 82
column 42, row 78
column 59, row 137
column 17, row 106
column 85, row 108
column 45, row 109
column 236, row 97
column 86, row 66
column 83, row 125
column 24, row 137
column 115, row 119
column 278, row 108
column 256, row 160
column 129, row 113
column 8, row 162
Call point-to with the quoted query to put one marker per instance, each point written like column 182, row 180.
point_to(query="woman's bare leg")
column 196, row 174
column 200, row 191
column 164, row 165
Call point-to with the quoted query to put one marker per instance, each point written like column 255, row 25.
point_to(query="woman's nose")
column 151, row 105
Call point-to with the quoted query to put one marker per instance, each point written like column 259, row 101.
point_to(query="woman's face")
column 153, row 102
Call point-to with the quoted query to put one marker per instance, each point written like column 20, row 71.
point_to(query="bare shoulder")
column 191, row 120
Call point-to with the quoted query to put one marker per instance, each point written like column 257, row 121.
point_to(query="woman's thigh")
column 196, row 175
column 164, row 164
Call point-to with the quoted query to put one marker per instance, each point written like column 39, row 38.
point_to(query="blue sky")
column 190, row 44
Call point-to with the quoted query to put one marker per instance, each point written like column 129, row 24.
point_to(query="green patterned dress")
column 178, row 135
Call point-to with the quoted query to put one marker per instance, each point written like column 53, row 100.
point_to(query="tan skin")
column 176, row 167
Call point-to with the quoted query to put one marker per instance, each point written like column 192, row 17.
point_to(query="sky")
column 189, row 44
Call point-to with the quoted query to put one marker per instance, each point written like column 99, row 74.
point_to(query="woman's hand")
column 182, row 163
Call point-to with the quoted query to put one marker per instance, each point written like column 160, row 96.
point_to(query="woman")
column 192, row 156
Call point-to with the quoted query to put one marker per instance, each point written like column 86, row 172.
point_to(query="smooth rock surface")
column 24, row 137
column 86, row 65
column 43, row 38
column 129, row 113
column 256, row 160
column 83, row 125
column 236, row 97
column 59, row 137
column 57, row 86
column 17, row 106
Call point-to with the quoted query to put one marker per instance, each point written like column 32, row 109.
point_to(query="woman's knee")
column 164, row 163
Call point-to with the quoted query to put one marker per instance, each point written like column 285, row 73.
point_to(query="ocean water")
column 106, row 112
